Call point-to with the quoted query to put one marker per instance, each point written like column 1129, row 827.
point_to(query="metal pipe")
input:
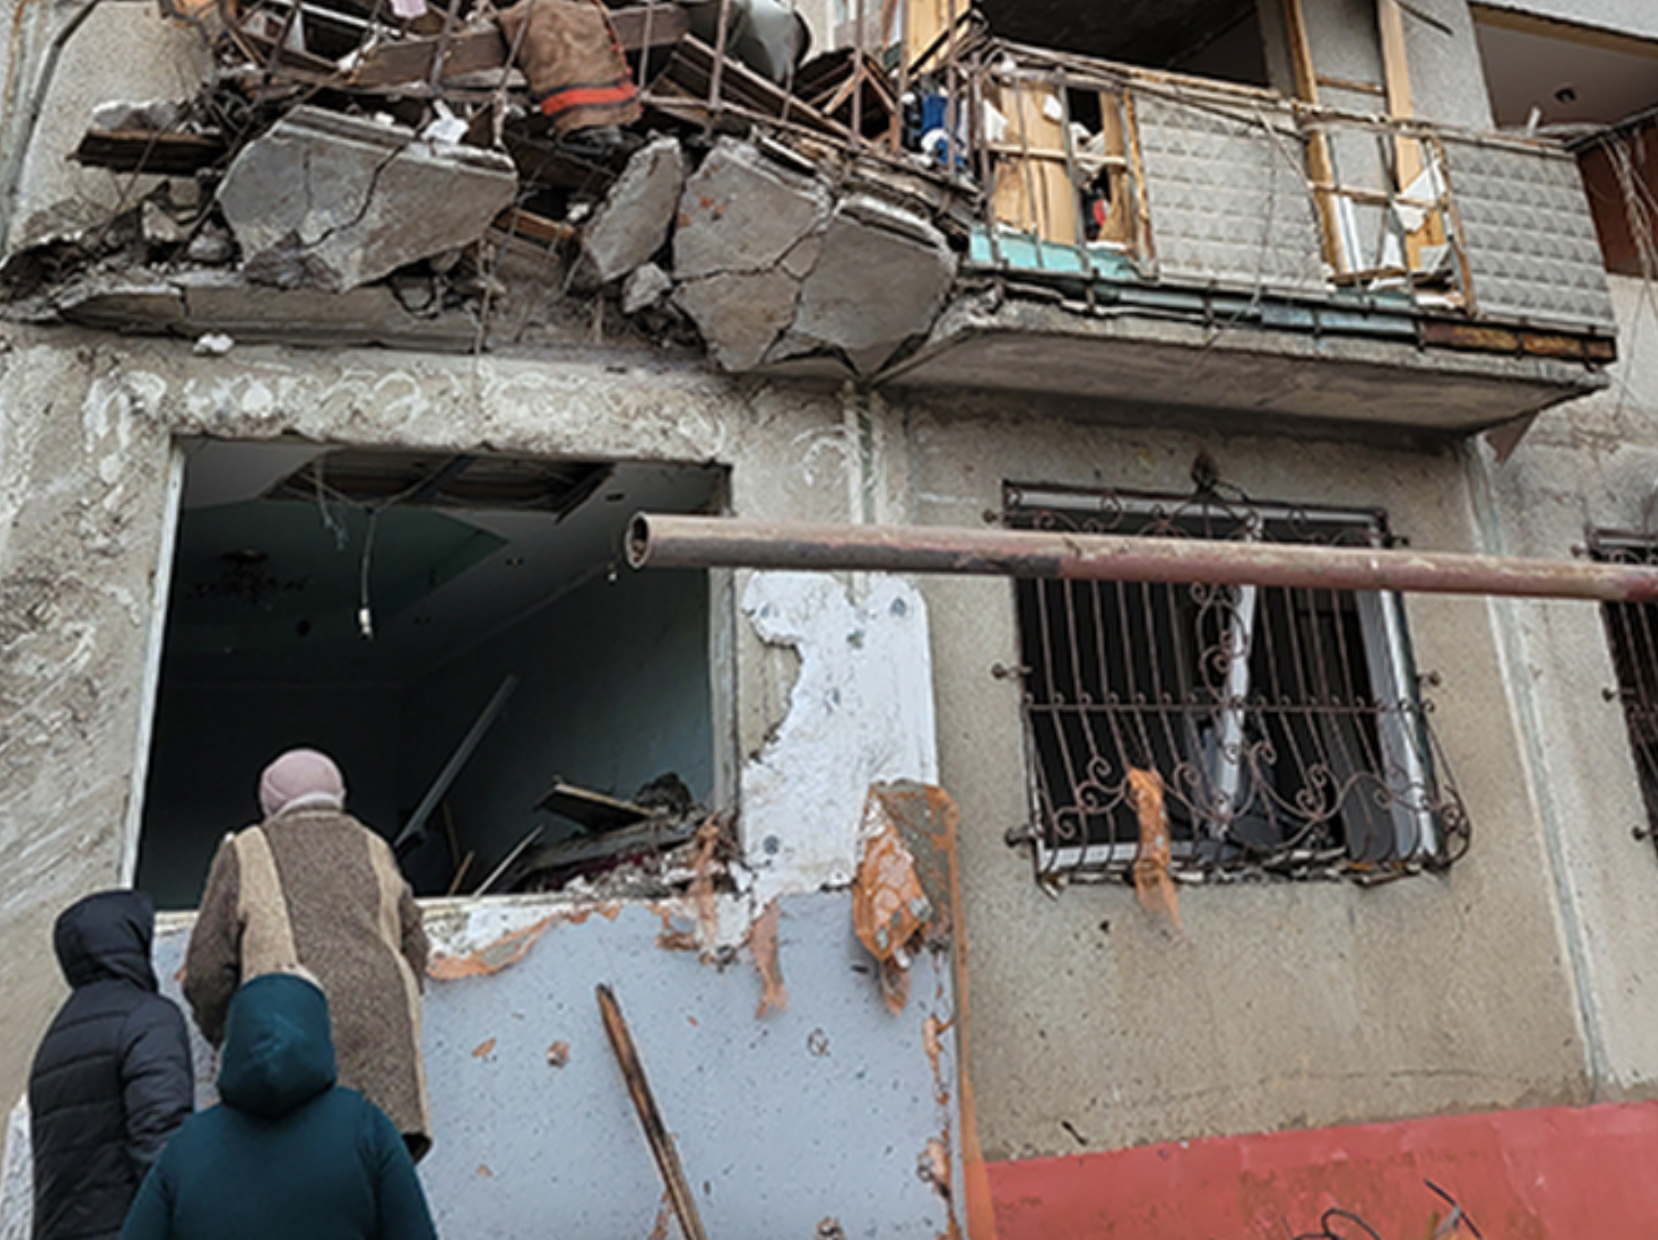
column 670, row 541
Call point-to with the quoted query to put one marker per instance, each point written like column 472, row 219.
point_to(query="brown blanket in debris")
column 568, row 51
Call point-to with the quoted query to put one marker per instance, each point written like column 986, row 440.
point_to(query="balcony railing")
column 1110, row 174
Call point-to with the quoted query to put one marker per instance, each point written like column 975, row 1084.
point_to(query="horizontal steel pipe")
column 668, row 541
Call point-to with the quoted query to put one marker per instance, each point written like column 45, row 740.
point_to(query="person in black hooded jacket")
column 111, row 1079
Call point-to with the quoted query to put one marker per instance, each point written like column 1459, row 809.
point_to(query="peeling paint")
column 762, row 943
column 861, row 711
column 477, row 939
column 674, row 938
column 506, row 951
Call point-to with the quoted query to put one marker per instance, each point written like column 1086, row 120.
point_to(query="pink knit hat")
column 301, row 778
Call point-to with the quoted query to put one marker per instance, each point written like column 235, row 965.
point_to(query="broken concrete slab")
column 645, row 288
column 633, row 222
column 742, row 213
column 336, row 201
column 881, row 279
column 190, row 303
column 739, row 315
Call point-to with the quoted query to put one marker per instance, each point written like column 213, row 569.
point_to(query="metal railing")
column 1110, row 171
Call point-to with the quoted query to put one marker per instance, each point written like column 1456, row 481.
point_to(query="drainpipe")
column 26, row 88
column 671, row 541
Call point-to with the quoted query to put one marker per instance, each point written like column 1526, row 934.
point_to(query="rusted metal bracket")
column 668, row 541
column 656, row 1132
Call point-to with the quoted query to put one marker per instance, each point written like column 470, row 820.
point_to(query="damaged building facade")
column 344, row 339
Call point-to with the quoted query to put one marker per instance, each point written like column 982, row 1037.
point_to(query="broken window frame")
column 720, row 655
column 1208, row 690
column 1632, row 645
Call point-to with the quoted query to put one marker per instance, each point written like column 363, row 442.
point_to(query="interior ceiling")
column 1569, row 81
column 1142, row 32
column 269, row 589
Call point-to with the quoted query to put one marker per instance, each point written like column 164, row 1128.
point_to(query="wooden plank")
column 1358, row 88
column 158, row 152
column 1031, row 193
column 1118, row 224
column 1319, row 162
column 925, row 22
column 517, row 222
column 411, row 60
column 1407, row 151
column 592, row 811
column 650, row 1119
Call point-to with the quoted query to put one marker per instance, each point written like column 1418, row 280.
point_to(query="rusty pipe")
column 670, row 541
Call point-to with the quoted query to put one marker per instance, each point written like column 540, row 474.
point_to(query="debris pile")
column 659, row 844
column 398, row 171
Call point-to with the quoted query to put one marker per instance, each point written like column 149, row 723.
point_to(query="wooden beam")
column 155, row 152
column 1319, row 162
column 1407, row 152
column 650, row 1118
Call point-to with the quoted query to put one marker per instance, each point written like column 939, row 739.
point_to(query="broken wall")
column 87, row 486
column 833, row 1109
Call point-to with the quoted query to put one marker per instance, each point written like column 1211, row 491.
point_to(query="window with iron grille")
column 1285, row 724
column 1632, row 632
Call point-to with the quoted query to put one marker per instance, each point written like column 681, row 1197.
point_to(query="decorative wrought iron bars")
column 1285, row 723
column 1632, row 632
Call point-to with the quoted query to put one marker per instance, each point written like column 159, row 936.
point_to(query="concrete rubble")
column 633, row 224
column 771, row 266
column 422, row 188
column 336, row 201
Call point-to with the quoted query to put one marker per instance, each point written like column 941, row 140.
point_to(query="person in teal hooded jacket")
column 287, row 1154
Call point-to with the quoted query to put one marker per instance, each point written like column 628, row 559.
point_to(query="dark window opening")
column 1284, row 724
column 1208, row 38
column 409, row 613
column 1632, row 632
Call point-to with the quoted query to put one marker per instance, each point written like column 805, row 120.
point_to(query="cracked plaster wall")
column 86, row 424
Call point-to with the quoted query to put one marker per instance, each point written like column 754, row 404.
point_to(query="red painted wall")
column 1557, row 1173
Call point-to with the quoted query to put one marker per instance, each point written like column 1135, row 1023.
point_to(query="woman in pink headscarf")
column 311, row 890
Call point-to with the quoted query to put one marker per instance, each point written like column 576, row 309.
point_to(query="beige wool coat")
column 314, row 890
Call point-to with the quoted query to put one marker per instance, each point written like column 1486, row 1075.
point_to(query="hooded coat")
column 111, row 1079
column 313, row 889
column 287, row 1153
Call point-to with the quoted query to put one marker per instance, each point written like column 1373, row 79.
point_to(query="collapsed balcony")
column 969, row 212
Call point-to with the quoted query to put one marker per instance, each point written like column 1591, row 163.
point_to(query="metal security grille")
column 1632, row 631
column 1284, row 723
